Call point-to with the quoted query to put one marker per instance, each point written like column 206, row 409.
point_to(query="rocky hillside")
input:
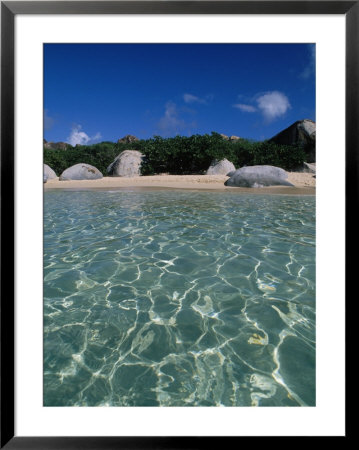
column 128, row 139
column 300, row 133
column 56, row 145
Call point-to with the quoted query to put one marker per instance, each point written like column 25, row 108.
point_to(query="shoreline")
column 304, row 184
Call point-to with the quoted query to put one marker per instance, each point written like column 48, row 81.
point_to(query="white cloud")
column 96, row 137
column 80, row 137
column 189, row 98
column 273, row 105
column 171, row 123
column 245, row 108
column 309, row 70
column 48, row 121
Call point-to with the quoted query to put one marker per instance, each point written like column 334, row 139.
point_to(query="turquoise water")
column 178, row 298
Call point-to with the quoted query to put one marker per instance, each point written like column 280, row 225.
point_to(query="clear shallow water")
column 178, row 298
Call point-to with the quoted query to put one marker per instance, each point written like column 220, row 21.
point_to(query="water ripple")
column 178, row 298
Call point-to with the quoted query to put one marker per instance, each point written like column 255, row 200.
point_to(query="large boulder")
column 81, row 171
column 303, row 133
column 258, row 176
column 128, row 139
column 220, row 167
column 49, row 173
column 126, row 164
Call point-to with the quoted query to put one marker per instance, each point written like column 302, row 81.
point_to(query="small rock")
column 309, row 168
column 224, row 136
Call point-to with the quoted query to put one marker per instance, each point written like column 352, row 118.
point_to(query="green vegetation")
column 179, row 155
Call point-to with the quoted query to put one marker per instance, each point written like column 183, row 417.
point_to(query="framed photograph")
column 172, row 263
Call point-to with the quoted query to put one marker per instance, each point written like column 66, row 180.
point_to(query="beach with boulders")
column 304, row 183
column 135, row 167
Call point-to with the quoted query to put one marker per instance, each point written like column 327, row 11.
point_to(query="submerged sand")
column 304, row 183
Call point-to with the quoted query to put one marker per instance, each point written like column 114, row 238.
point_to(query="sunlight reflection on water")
column 178, row 298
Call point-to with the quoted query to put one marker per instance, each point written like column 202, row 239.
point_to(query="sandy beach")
column 304, row 183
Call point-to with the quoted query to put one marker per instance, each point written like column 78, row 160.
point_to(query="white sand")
column 304, row 183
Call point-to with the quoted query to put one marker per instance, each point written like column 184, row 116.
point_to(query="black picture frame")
column 9, row 9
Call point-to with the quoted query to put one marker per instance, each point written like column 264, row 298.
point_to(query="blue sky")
column 101, row 92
